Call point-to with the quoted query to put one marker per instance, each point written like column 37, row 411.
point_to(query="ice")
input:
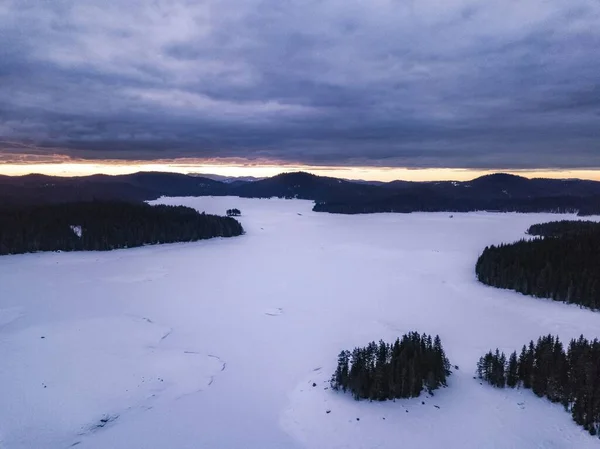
column 9, row 315
column 217, row 344
column 77, row 376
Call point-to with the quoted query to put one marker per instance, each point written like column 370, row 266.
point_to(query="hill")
column 36, row 189
column 306, row 186
column 497, row 192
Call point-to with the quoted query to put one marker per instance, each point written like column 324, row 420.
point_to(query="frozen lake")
column 217, row 344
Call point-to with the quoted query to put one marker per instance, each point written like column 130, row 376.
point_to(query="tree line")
column 564, row 228
column 105, row 226
column 425, row 199
column 571, row 377
column 563, row 266
column 392, row 371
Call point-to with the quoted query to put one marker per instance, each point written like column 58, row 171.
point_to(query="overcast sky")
column 423, row 83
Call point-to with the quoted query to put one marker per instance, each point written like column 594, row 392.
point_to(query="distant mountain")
column 226, row 179
column 175, row 184
column 497, row 192
column 135, row 187
column 369, row 182
column 500, row 192
column 305, row 186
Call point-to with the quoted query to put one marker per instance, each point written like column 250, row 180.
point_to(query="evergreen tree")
column 233, row 212
column 563, row 265
column 383, row 371
column 571, row 377
column 340, row 377
column 512, row 377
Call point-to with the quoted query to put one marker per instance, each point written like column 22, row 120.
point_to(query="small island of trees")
column 392, row 371
column 563, row 265
column 571, row 377
column 233, row 212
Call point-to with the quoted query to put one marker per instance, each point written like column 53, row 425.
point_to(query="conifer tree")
column 512, row 377
column 382, row 371
column 571, row 377
column 340, row 377
column 563, row 265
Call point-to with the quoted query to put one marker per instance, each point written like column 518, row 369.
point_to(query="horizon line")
column 75, row 168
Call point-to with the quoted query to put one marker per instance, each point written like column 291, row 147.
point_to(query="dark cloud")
column 461, row 83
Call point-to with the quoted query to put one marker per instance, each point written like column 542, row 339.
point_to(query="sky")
column 379, row 88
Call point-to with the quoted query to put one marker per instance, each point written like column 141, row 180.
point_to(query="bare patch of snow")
column 9, row 315
column 93, row 370
column 77, row 230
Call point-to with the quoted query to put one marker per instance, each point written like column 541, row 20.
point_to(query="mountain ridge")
column 498, row 191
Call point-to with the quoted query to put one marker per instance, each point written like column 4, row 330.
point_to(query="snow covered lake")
column 217, row 344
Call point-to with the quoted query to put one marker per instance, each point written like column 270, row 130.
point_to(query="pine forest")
column 563, row 265
column 101, row 225
column 570, row 377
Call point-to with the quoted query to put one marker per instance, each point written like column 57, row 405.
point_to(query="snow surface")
column 77, row 230
column 216, row 344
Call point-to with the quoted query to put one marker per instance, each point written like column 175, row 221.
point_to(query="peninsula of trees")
column 98, row 225
column 571, row 377
column 392, row 371
column 564, row 265
column 564, row 228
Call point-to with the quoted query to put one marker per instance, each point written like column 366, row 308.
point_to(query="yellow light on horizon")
column 84, row 168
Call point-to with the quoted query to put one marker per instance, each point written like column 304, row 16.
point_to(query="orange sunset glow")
column 385, row 174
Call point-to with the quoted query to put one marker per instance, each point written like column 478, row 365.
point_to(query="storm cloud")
column 427, row 83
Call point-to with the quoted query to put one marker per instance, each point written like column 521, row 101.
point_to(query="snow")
column 9, row 315
column 77, row 230
column 70, row 360
column 216, row 344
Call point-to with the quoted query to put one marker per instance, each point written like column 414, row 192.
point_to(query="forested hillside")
column 570, row 377
column 564, row 266
column 497, row 192
column 104, row 226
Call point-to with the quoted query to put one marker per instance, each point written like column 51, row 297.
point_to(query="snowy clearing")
column 217, row 344
column 77, row 230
